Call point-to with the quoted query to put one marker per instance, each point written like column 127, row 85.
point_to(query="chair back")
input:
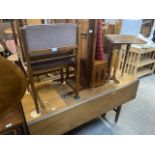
column 48, row 36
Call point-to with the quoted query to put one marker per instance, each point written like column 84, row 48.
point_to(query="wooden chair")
column 50, row 47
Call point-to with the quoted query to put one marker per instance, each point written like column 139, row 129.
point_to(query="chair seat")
column 47, row 66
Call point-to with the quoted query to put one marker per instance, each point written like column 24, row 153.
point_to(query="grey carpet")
column 137, row 117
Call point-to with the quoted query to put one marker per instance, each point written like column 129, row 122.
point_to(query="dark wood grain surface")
column 12, row 85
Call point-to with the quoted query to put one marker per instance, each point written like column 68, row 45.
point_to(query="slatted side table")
column 140, row 60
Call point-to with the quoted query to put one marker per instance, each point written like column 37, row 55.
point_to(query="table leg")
column 117, row 110
column 110, row 61
column 115, row 68
column 126, row 54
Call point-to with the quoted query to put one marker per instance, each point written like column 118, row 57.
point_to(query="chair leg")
column 77, row 76
column 34, row 94
column 77, row 80
column 118, row 110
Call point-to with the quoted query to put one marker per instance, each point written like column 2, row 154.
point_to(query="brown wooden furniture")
column 14, row 123
column 88, row 34
column 116, row 42
column 33, row 21
column 146, row 27
column 92, row 71
column 110, row 29
column 48, row 48
column 65, row 114
column 99, row 73
column 87, row 47
column 12, row 89
column 140, row 60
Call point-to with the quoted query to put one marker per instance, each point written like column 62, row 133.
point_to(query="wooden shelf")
column 143, row 72
column 140, row 62
column 146, row 61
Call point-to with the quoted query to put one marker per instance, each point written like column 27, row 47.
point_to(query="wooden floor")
column 51, row 95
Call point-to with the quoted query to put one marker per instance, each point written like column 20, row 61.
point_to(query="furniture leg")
column 115, row 68
column 34, row 93
column 13, row 31
column 118, row 110
column 76, row 84
column 126, row 54
column 104, row 115
column 77, row 78
column 109, row 62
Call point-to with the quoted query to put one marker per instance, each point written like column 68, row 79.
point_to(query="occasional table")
column 12, row 88
column 116, row 41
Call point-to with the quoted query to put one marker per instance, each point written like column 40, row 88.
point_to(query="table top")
column 124, row 39
column 12, row 85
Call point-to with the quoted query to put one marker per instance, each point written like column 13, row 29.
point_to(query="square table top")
column 124, row 39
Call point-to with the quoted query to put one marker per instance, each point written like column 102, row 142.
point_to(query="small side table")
column 12, row 88
column 116, row 41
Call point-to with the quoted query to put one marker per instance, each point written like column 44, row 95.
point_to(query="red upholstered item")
column 11, row 46
column 99, row 47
